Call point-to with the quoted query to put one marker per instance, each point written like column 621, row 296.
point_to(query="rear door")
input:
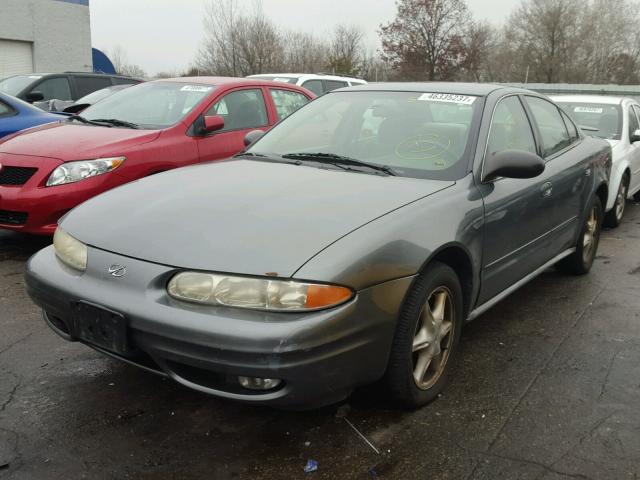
column 86, row 84
column 243, row 110
column 634, row 160
column 517, row 224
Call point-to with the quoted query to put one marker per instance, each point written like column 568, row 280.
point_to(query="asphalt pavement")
column 547, row 387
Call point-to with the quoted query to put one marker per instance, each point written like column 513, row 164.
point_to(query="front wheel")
column 613, row 217
column 426, row 337
column 580, row 261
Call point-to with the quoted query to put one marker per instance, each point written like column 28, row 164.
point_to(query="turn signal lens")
column 255, row 293
column 71, row 251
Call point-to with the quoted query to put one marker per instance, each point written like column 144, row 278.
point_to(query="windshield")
column 150, row 105
column 424, row 135
column 98, row 95
column 14, row 85
column 275, row 78
column 606, row 118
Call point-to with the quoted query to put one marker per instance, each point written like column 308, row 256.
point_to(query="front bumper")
column 320, row 356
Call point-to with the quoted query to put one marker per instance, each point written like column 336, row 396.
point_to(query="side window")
column 123, row 81
column 315, row 86
column 54, row 88
column 87, row 85
column 287, row 102
column 633, row 122
column 334, row 84
column 571, row 127
column 555, row 136
column 241, row 109
column 510, row 128
column 636, row 109
column 5, row 110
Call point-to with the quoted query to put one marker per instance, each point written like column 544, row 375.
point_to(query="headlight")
column 71, row 251
column 255, row 293
column 71, row 172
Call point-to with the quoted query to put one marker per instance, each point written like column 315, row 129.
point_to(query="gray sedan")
column 348, row 244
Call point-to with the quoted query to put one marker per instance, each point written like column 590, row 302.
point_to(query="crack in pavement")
column 535, row 378
column 11, row 345
column 603, row 388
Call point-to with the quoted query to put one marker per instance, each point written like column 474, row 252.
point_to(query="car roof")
column 308, row 76
column 457, row 88
column 223, row 81
column 604, row 99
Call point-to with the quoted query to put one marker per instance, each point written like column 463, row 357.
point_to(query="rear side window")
column 510, row 128
column 636, row 109
column 633, row 122
column 87, row 85
column 241, row 109
column 571, row 127
column 5, row 110
column 334, row 84
column 315, row 86
column 123, row 81
column 54, row 88
column 287, row 102
column 553, row 131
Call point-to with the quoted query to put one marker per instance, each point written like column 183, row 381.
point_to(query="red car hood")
column 69, row 142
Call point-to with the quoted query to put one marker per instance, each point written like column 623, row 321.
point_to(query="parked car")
column 616, row 120
column 326, row 258
column 38, row 87
column 16, row 115
column 317, row 83
column 69, row 106
column 140, row 131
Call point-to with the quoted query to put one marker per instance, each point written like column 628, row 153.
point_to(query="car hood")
column 67, row 142
column 240, row 216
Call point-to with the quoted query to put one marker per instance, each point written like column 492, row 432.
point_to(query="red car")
column 140, row 131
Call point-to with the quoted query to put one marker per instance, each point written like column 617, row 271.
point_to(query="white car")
column 317, row 83
column 616, row 120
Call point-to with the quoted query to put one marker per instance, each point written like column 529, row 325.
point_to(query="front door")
column 243, row 110
column 516, row 210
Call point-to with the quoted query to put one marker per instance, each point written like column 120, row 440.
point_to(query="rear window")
column 606, row 119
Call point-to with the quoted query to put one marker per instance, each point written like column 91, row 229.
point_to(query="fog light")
column 253, row 383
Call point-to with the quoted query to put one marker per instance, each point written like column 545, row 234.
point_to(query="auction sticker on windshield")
column 447, row 98
column 195, row 88
column 588, row 110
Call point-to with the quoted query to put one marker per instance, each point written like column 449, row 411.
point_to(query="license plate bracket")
column 101, row 327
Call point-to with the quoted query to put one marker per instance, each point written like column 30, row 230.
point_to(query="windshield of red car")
column 153, row 105
column 417, row 134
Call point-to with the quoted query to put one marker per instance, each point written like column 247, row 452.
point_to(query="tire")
column 613, row 217
column 437, row 285
column 580, row 261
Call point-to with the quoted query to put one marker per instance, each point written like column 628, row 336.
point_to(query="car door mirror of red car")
column 512, row 164
column 212, row 123
column 252, row 136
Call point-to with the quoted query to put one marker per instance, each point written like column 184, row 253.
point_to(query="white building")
column 48, row 36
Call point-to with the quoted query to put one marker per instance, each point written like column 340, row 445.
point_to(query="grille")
column 13, row 218
column 16, row 175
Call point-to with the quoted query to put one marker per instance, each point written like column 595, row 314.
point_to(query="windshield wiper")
column 116, row 123
column 338, row 160
column 272, row 157
column 84, row 120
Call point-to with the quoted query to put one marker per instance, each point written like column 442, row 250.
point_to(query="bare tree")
column 426, row 39
column 119, row 59
column 346, row 52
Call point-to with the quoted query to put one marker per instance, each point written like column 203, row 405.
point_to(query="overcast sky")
column 164, row 35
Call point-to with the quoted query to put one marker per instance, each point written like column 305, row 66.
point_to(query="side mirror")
column 252, row 136
column 76, row 107
column 34, row 97
column 513, row 164
column 212, row 123
column 635, row 137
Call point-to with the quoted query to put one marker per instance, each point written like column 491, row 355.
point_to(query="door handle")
column 546, row 190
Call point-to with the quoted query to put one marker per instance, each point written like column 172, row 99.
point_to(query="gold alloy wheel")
column 621, row 200
column 590, row 239
column 433, row 338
